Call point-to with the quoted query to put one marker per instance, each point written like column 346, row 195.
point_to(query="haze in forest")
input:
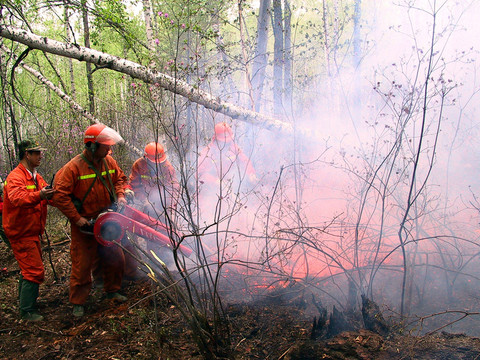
column 375, row 189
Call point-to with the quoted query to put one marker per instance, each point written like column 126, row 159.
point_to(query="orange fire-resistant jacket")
column 223, row 159
column 75, row 178
column 24, row 213
column 24, row 218
column 145, row 178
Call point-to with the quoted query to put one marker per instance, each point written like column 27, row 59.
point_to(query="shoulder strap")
column 86, row 194
column 111, row 192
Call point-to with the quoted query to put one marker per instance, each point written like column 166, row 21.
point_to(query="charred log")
column 373, row 318
column 319, row 328
column 337, row 324
column 361, row 344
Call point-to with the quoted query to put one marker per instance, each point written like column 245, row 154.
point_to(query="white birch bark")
column 68, row 34
column 278, row 57
column 260, row 59
column 147, row 15
column 73, row 104
column 103, row 60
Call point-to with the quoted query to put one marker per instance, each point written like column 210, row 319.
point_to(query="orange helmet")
column 99, row 133
column 223, row 132
column 155, row 152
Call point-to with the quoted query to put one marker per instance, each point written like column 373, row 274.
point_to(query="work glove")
column 129, row 195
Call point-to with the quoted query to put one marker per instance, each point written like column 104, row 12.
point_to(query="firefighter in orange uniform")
column 224, row 171
column 222, row 159
column 24, row 218
column 87, row 185
column 223, row 168
column 153, row 184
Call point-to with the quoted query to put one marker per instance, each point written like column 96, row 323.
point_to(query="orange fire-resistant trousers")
column 85, row 252
column 28, row 254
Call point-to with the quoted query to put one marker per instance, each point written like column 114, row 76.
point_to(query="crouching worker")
column 84, row 187
column 24, row 218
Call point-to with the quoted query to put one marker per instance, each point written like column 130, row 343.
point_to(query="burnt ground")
column 150, row 327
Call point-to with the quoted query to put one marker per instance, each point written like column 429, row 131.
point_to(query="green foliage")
column 112, row 25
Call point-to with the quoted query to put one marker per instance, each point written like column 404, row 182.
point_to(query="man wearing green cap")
column 24, row 217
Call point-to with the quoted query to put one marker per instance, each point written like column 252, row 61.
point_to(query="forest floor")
column 150, row 327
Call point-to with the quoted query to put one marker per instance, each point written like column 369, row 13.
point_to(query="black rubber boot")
column 28, row 301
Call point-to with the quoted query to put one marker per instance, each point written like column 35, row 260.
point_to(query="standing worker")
column 24, row 218
column 153, row 184
column 84, row 187
column 223, row 160
column 223, row 168
column 225, row 175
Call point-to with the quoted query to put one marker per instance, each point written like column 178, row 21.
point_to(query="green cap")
column 29, row 145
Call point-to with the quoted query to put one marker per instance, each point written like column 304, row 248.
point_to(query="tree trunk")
column 68, row 34
column 357, row 52
column 8, row 115
column 357, row 56
column 86, row 34
column 248, row 84
column 326, row 48
column 277, row 57
column 228, row 84
column 147, row 15
column 103, row 60
column 288, row 56
column 261, row 56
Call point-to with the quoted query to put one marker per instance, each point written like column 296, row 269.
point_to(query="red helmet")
column 155, row 152
column 99, row 133
column 223, row 132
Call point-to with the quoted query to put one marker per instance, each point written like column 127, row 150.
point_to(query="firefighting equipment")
column 223, row 132
column 28, row 300
column 129, row 195
column 88, row 228
column 111, row 226
column 155, row 152
column 99, row 133
column 78, row 311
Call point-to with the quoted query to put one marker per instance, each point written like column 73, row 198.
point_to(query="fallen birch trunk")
column 73, row 104
column 143, row 73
